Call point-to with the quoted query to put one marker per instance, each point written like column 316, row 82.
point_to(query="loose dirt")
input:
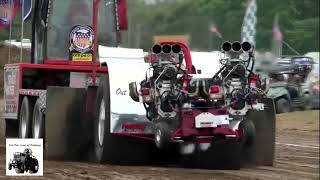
column 297, row 157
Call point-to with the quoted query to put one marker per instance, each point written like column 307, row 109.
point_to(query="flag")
column 8, row 10
column 277, row 35
column 214, row 29
column 27, row 5
column 248, row 30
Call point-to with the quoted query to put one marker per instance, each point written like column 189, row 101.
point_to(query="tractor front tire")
column 249, row 132
column 162, row 135
column 20, row 169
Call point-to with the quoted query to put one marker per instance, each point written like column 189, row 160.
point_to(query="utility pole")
column 22, row 23
column 210, row 41
column 10, row 32
column 129, row 31
column 139, row 28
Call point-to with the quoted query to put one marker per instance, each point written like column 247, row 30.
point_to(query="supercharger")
column 241, row 88
column 162, row 92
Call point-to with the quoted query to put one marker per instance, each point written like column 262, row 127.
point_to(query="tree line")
column 298, row 20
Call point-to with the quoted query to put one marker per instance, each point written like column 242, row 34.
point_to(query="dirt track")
column 292, row 161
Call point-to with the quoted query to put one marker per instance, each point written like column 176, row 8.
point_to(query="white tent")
column 112, row 52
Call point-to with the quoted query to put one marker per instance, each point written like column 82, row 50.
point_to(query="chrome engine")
column 239, row 86
column 162, row 93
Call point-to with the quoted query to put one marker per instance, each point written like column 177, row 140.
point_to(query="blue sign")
column 27, row 4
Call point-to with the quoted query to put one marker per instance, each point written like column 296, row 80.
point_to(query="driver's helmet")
column 27, row 151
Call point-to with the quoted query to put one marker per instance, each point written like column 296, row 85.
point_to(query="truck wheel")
column 38, row 121
column 283, row 105
column 249, row 132
column 102, row 126
column 108, row 147
column 10, row 167
column 25, row 118
column 162, row 135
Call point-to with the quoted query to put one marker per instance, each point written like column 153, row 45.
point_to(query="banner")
column 27, row 5
column 181, row 38
column 8, row 10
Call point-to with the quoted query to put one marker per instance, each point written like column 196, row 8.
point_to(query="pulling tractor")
column 213, row 122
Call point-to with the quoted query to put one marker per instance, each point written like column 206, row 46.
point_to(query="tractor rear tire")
column 25, row 117
column 221, row 155
column 112, row 148
column 262, row 151
column 38, row 119
column 283, row 105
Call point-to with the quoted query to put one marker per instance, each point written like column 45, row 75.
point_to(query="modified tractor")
column 201, row 115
